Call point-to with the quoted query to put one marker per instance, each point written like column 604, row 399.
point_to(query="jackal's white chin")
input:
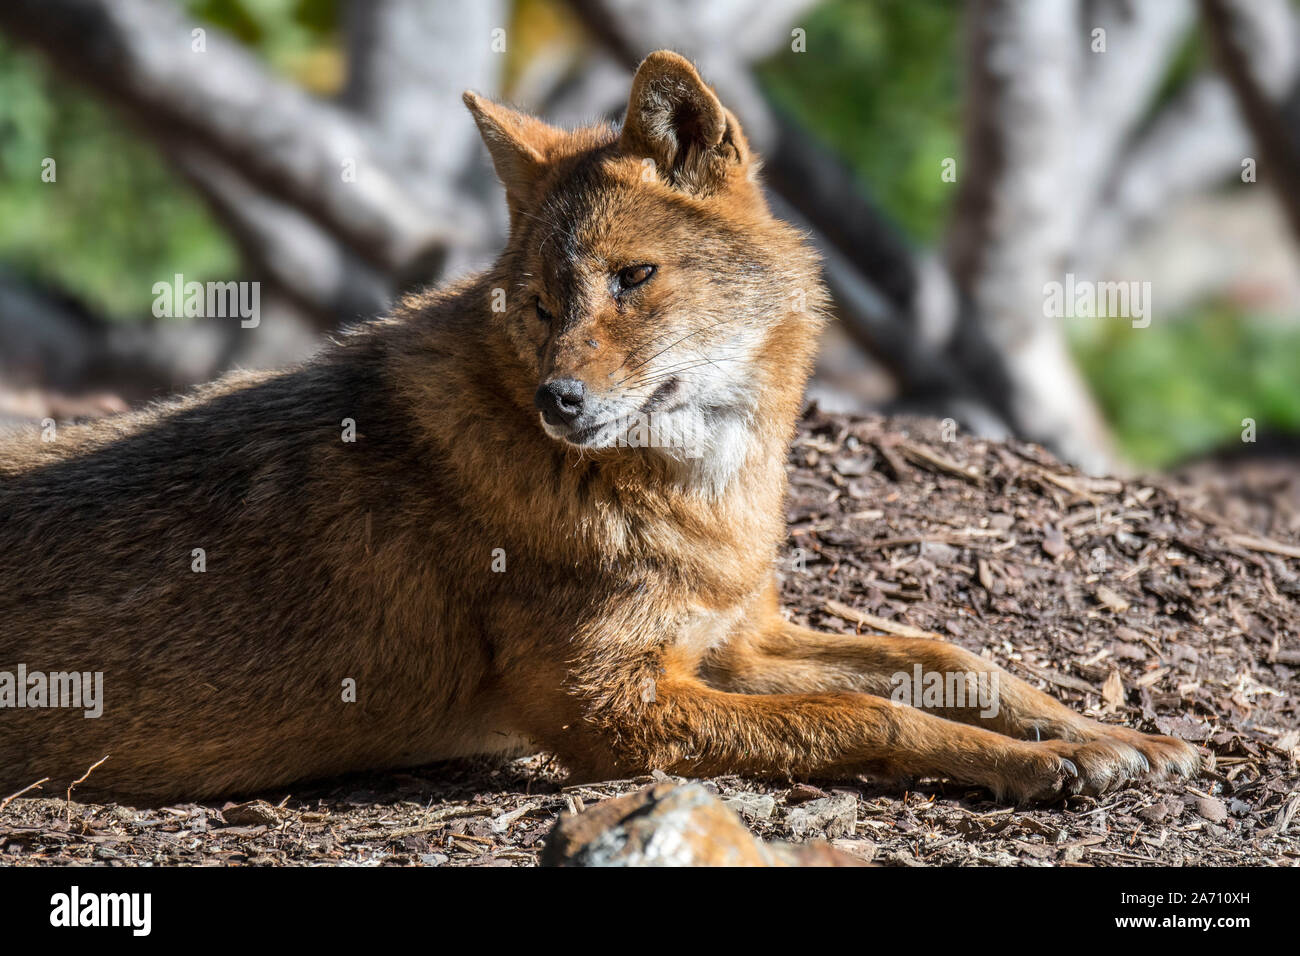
column 599, row 435
column 708, row 446
column 677, row 434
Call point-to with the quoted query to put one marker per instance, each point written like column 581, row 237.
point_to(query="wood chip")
column 1112, row 692
column 1264, row 544
column 924, row 456
column 1059, row 679
column 1111, row 599
column 879, row 623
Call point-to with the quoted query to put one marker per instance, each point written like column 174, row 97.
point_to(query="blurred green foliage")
column 115, row 220
column 1183, row 387
column 299, row 38
column 879, row 84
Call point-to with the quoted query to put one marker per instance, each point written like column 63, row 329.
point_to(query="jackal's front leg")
column 687, row 727
column 785, row 658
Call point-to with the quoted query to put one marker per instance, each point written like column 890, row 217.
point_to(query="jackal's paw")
column 1117, row 759
column 1034, row 773
column 1102, row 765
column 1165, row 756
column 1057, row 768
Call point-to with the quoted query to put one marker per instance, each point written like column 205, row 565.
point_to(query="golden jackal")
column 538, row 508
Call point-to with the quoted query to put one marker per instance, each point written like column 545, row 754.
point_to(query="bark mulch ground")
column 1166, row 604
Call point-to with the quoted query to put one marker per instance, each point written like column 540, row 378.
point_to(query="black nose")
column 561, row 400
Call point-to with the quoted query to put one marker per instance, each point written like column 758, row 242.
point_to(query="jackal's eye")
column 633, row 276
column 541, row 311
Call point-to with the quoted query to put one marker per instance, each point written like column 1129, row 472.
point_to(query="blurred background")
column 951, row 160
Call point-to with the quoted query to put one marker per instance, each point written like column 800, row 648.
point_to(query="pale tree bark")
column 1198, row 141
column 329, row 252
column 409, row 62
column 1118, row 80
column 1015, row 217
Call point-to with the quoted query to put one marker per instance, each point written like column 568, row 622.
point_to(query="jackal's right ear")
column 674, row 119
column 517, row 142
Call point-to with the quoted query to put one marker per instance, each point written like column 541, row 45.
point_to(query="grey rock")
column 830, row 817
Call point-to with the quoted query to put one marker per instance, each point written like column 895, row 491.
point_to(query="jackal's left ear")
column 674, row 119
column 517, row 142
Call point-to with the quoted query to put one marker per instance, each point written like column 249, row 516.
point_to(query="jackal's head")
column 646, row 284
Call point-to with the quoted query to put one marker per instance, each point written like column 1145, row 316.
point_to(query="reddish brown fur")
column 636, row 624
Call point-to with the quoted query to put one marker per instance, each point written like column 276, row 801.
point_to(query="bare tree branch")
column 1118, row 83
column 409, row 61
column 1196, row 142
column 1256, row 47
column 139, row 54
column 282, row 245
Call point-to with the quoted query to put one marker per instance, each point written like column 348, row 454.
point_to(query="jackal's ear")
column 674, row 119
column 517, row 142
